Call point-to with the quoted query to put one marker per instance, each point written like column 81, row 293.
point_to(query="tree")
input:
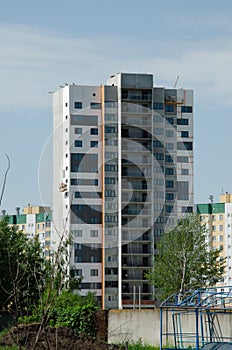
column 184, row 261
column 22, row 269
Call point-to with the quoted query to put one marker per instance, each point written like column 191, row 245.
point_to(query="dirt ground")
column 55, row 339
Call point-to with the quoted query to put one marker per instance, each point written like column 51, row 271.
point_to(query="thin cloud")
column 34, row 61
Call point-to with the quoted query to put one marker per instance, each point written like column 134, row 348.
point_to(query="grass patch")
column 141, row 346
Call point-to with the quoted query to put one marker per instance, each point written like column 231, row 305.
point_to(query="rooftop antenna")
column 211, row 197
column 177, row 79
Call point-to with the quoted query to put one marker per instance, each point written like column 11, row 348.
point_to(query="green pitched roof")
column 211, row 208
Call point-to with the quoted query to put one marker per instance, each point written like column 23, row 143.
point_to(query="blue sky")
column 45, row 44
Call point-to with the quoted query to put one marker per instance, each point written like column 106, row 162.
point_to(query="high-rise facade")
column 123, row 174
column 35, row 221
column 217, row 217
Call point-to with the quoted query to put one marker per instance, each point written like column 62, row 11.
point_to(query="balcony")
column 137, row 96
column 136, row 108
column 135, row 173
column 135, row 133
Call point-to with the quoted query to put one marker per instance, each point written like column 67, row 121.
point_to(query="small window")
column 95, row 105
column 94, row 233
column 158, row 143
column 93, row 131
column 93, row 143
column 78, row 105
column 110, row 129
column 169, row 109
column 78, row 143
column 186, row 109
column 168, row 159
column 93, row 272
column 78, row 131
column 169, row 146
column 184, row 134
column 169, row 208
column 182, row 159
column 77, row 233
column 185, row 146
column 110, row 180
column 159, row 156
column 169, row 196
column 169, row 171
column 170, row 120
column 169, row 133
column 182, row 121
column 169, row 183
column 78, row 272
column 184, row 171
column 158, row 105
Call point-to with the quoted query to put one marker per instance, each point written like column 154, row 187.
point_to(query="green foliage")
column 22, row 269
column 140, row 346
column 70, row 310
column 183, row 260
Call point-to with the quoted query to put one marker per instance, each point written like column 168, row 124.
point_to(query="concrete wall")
column 144, row 325
column 134, row 325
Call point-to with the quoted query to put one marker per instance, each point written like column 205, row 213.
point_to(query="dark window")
column 89, row 120
column 78, row 130
column 78, row 195
column 183, row 190
column 182, row 121
column 110, row 193
column 184, row 134
column 169, row 133
column 110, row 180
column 93, row 131
column 78, row 105
column 93, row 143
column 157, row 143
column 170, row 120
column 169, row 208
column 185, row 146
column 187, row 209
column 95, row 105
column 169, row 183
column 186, row 109
column 110, row 104
column 169, row 196
column 81, row 213
column 158, row 105
column 169, row 171
column 78, row 143
column 110, row 129
column 169, row 108
column 84, row 182
column 182, row 159
column 111, row 167
column 184, row 171
column 111, row 284
column 81, row 162
column 93, row 272
column 168, row 159
column 159, row 156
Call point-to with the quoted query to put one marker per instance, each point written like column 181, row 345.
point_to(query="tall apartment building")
column 218, row 220
column 123, row 174
column 35, row 221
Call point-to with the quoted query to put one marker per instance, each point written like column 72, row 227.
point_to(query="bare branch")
column 5, row 177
